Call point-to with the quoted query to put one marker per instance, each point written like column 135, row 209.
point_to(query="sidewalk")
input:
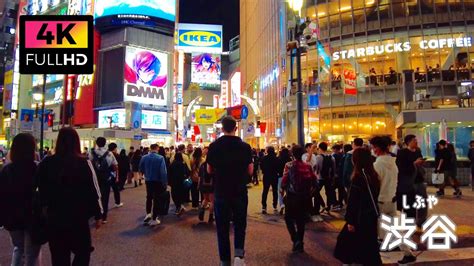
column 460, row 210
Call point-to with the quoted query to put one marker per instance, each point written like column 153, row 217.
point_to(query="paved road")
column 125, row 241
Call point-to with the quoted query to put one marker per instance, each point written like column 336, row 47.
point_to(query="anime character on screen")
column 145, row 69
column 206, row 63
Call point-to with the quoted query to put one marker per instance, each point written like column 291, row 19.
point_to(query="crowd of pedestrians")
column 60, row 193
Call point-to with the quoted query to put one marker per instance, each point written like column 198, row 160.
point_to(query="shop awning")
column 419, row 118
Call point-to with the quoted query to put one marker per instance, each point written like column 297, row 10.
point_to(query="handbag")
column 346, row 244
column 437, row 178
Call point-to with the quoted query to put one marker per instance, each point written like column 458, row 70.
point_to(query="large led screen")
column 206, row 70
column 146, row 76
column 154, row 120
column 112, row 118
column 164, row 9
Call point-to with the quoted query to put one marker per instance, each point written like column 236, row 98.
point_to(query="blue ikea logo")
column 196, row 38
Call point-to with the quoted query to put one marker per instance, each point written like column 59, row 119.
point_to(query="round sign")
column 244, row 113
column 136, row 124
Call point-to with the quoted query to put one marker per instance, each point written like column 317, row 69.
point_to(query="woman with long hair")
column 196, row 161
column 206, row 187
column 70, row 194
column 178, row 172
column 18, row 183
column 136, row 158
column 124, row 168
column 361, row 215
column 162, row 152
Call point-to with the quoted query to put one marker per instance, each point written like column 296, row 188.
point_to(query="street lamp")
column 39, row 95
column 294, row 44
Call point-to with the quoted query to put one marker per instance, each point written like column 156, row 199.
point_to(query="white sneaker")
column 155, row 222
column 119, row 205
column 147, row 218
column 316, row 218
column 239, row 261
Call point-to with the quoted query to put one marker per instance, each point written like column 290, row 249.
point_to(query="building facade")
column 263, row 63
column 370, row 62
column 370, row 68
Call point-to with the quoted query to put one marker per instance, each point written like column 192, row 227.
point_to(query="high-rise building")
column 371, row 68
column 263, row 63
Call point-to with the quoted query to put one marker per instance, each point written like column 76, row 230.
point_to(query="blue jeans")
column 225, row 210
column 280, row 198
column 23, row 246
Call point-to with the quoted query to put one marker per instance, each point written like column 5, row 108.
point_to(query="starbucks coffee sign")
column 401, row 47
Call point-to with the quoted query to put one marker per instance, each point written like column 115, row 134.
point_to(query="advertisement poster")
column 206, row 70
column 350, row 84
column 80, row 7
column 208, row 116
column 235, row 84
column 146, row 76
column 112, row 118
column 154, row 120
column 164, row 9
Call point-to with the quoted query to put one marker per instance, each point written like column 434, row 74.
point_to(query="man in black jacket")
column 270, row 166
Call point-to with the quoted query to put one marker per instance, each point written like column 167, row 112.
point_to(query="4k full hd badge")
column 56, row 45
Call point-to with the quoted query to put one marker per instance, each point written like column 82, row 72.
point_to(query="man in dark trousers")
column 230, row 159
column 106, row 167
column 270, row 165
column 153, row 167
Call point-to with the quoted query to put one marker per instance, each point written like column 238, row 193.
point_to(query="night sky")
column 220, row 12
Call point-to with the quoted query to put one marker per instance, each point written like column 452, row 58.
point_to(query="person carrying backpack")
column 106, row 167
column 325, row 171
column 297, row 186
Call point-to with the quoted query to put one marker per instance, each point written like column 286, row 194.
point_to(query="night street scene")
column 236, row 132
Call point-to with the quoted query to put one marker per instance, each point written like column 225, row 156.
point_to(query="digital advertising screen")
column 154, row 120
column 206, row 70
column 80, row 7
column 112, row 118
column 146, row 76
column 147, row 13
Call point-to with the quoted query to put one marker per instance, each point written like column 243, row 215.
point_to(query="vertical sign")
column 224, row 94
column 56, row 45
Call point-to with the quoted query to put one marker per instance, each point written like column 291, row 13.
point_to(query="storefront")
column 368, row 61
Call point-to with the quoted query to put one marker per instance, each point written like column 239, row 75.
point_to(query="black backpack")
column 327, row 170
column 101, row 166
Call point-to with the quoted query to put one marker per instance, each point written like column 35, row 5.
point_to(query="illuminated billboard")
column 154, row 120
column 206, row 70
column 146, row 76
column 112, row 118
column 200, row 38
column 132, row 12
column 80, row 7
column 235, row 89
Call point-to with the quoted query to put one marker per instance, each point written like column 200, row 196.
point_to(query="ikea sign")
column 199, row 38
